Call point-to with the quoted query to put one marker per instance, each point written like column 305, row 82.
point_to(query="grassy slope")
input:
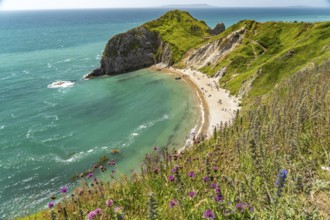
column 180, row 30
column 278, row 49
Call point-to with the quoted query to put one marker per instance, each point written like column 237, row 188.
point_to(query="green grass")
column 180, row 30
column 279, row 49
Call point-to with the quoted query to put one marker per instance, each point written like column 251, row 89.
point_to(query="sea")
column 54, row 124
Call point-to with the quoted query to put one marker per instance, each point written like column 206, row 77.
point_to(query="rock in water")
column 219, row 28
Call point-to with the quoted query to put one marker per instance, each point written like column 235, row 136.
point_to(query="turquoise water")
column 48, row 135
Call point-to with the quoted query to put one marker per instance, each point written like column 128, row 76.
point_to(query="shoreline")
column 216, row 104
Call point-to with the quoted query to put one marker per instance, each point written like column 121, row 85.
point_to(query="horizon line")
column 165, row 7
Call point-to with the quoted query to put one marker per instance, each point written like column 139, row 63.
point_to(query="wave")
column 140, row 129
column 60, row 84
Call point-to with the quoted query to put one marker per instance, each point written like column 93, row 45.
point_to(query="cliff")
column 163, row 40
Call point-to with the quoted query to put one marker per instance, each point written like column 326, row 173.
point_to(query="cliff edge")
column 164, row 40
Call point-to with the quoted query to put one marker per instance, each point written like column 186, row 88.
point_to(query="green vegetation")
column 180, row 30
column 270, row 52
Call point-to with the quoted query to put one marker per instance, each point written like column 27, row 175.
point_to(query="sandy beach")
column 217, row 105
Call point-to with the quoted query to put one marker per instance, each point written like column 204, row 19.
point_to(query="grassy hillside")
column 180, row 30
column 270, row 52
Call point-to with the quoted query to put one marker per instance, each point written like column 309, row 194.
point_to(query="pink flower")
column 98, row 211
column 109, row 203
column 91, row 215
column 171, row 178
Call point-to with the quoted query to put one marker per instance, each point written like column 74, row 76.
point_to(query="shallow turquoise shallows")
column 47, row 135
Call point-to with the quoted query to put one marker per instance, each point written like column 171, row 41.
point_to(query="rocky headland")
column 164, row 41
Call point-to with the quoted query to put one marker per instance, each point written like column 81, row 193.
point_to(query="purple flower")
column 241, row 206
column 217, row 190
column 91, row 215
column 218, row 198
column 215, row 168
column 51, row 205
column 155, row 148
column 98, row 211
column 206, row 178
column 280, row 181
column 90, row 175
column 173, row 203
column 171, row 178
column 173, row 170
column 64, row 189
column 191, row 174
column 112, row 162
column 208, row 214
column 192, row 194
column 213, row 185
column 109, row 203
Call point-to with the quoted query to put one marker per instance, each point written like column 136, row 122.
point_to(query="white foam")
column 2, row 127
column 60, row 84
column 135, row 134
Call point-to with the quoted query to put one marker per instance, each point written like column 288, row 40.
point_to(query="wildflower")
column 206, row 179
column 215, row 168
column 51, row 205
column 213, row 185
column 112, row 162
column 95, row 166
column 191, row 174
column 118, row 210
column 90, row 175
column 192, row 194
column 173, row 170
column 217, row 190
column 208, row 214
column 91, row 215
column 98, row 211
column 280, row 180
column 109, row 203
column 218, row 198
column 171, row 178
column 155, row 148
column 241, row 206
column 173, row 203
column 64, row 189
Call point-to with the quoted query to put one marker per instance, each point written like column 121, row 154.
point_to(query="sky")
column 70, row 4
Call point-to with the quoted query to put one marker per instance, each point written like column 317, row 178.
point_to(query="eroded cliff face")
column 214, row 51
column 133, row 50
